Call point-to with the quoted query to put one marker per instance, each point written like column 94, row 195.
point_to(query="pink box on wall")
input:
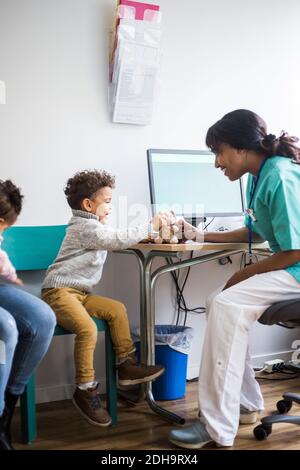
column 131, row 10
column 137, row 10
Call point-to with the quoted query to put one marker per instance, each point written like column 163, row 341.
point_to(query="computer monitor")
column 187, row 182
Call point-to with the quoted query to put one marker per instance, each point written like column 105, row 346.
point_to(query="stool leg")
column 111, row 385
column 28, row 412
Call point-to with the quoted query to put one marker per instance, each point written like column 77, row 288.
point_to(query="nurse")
column 228, row 392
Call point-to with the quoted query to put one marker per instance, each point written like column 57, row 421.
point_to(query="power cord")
column 180, row 299
column 293, row 376
column 244, row 263
column 277, row 366
column 259, row 371
column 204, row 226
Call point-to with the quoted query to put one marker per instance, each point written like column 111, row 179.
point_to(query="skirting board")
column 65, row 391
column 61, row 392
column 257, row 362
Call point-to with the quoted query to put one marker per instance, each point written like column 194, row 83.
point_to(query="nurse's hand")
column 188, row 231
column 232, row 281
column 242, row 275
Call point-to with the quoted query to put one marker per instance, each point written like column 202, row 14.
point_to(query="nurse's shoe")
column 192, row 437
column 247, row 416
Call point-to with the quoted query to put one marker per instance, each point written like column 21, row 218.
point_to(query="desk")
column 145, row 254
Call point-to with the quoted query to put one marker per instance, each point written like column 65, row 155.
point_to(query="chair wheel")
column 284, row 406
column 262, row 431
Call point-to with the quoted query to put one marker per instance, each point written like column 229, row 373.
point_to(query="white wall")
column 217, row 56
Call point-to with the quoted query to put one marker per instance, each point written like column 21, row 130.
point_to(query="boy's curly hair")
column 85, row 184
column 10, row 201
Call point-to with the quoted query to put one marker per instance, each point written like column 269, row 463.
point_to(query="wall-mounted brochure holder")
column 134, row 62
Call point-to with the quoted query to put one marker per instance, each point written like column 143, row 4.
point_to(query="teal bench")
column 34, row 248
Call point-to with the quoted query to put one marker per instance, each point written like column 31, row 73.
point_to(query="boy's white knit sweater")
column 80, row 260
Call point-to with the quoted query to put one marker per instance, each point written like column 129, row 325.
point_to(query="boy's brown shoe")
column 89, row 406
column 132, row 373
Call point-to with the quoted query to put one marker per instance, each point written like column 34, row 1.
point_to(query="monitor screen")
column 187, row 182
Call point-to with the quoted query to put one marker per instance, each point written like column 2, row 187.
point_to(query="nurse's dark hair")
column 245, row 130
column 10, row 201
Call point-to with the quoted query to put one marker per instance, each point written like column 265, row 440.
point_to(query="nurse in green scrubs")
column 228, row 392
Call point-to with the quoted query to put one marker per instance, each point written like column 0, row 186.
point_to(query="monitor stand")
column 195, row 221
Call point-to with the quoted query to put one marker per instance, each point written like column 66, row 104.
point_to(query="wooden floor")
column 61, row 427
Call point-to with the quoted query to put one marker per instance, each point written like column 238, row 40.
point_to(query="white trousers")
column 226, row 377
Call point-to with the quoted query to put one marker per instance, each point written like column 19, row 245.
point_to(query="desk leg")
column 147, row 321
column 148, row 339
column 143, row 326
column 138, row 394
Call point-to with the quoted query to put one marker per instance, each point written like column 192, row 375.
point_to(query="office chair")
column 286, row 314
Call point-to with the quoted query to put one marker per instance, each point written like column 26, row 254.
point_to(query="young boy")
column 73, row 275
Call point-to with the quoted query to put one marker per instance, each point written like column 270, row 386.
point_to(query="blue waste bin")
column 172, row 344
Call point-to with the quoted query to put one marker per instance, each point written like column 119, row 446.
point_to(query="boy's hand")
column 161, row 219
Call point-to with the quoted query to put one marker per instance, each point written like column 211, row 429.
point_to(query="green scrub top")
column 276, row 206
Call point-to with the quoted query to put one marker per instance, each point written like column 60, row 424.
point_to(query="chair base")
column 263, row 430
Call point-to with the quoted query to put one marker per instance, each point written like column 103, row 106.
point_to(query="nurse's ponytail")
column 244, row 129
column 285, row 145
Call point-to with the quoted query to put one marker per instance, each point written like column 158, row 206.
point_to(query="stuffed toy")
column 167, row 234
